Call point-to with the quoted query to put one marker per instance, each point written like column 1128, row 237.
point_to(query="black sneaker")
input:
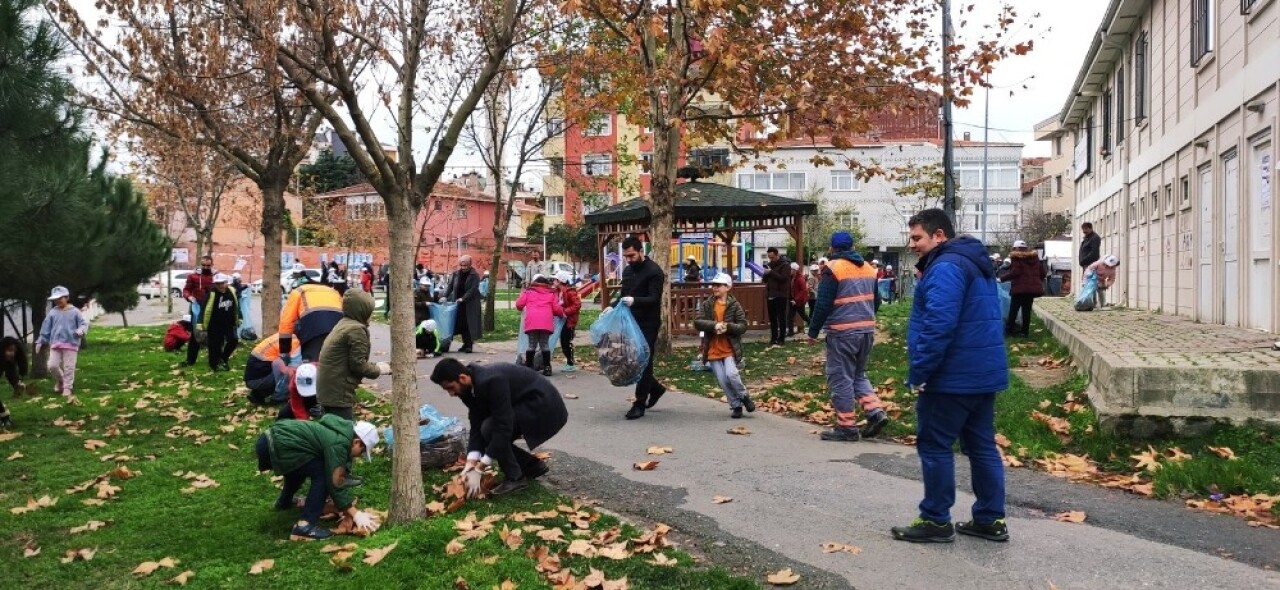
column 842, row 434
column 875, row 423
column 737, row 413
column 925, row 531
column 6, row 422
column 653, row 398
column 636, row 411
column 536, row 470
column 309, row 532
column 995, row 531
column 748, row 404
column 546, row 371
column 510, row 486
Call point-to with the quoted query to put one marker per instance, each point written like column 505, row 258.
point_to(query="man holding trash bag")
column 642, row 284
column 505, row 402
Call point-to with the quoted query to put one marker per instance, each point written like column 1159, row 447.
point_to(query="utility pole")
column 948, row 150
column 986, row 130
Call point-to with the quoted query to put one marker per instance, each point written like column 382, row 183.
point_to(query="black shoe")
column 283, row 503
column 842, row 434
column 466, row 350
column 225, row 366
column 995, row 531
column 737, row 413
column 653, row 398
column 748, row 404
column 875, row 423
column 310, row 532
column 925, row 531
column 546, row 371
column 636, row 411
column 509, row 486
column 536, row 470
column 6, row 422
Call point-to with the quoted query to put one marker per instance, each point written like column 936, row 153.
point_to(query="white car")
column 150, row 288
column 179, row 278
column 286, row 278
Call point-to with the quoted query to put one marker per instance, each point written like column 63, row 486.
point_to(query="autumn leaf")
column 742, row 430
column 511, row 538
column 662, row 559
column 645, row 466
column 30, row 549
column 840, row 548
column 616, row 551
column 146, row 568
column 106, row 490
column 581, row 547
column 94, row 445
column 660, row 450
column 1149, row 460
column 454, row 547
column 8, row 436
column 784, row 577
column 92, row 525
column 373, row 556
column 181, row 579
column 1002, row 441
column 261, row 566
column 1072, row 516
column 15, row 456
column 334, row 548
column 1176, row 455
column 85, row 554
column 1224, row 452
column 555, row 534
column 721, row 500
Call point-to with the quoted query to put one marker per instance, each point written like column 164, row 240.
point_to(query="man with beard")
column 464, row 289
column 642, row 284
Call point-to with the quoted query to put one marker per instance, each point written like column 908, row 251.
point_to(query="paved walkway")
column 792, row 492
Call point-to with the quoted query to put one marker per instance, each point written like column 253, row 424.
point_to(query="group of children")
column 541, row 303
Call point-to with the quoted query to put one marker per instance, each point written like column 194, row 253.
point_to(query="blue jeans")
column 941, row 419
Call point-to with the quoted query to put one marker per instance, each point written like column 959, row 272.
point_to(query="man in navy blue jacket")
column 955, row 346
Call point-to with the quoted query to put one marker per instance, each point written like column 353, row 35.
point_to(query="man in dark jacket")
column 505, row 402
column 464, row 289
column 1090, row 246
column 219, row 317
column 777, row 288
column 958, row 363
column 1025, row 276
column 13, row 360
column 642, row 284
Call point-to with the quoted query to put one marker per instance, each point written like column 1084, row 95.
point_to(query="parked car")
column 160, row 281
column 150, row 288
column 286, row 278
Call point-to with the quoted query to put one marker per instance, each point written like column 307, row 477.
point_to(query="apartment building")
column 1174, row 117
column 1060, row 194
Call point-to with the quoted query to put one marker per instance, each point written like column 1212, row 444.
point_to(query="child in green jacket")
column 724, row 322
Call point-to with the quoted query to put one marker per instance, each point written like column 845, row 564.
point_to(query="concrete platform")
column 1153, row 374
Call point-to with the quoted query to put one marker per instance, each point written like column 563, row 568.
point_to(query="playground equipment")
column 713, row 256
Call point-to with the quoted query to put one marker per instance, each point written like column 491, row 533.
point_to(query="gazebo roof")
column 704, row 202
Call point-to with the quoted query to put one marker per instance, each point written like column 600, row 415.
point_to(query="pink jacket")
column 541, row 305
column 1106, row 274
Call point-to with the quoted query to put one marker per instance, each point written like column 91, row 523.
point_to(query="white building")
column 1174, row 114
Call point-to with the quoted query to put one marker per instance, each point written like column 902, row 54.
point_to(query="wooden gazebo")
column 723, row 211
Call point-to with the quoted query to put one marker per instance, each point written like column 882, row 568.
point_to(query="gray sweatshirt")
column 60, row 326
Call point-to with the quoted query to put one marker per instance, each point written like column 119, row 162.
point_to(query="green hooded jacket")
column 295, row 443
column 344, row 359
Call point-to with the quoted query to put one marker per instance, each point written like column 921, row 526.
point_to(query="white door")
column 1260, row 285
column 1204, row 288
column 1231, row 240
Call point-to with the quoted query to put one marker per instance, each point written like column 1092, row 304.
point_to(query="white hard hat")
column 305, row 380
column 186, row 317
column 722, row 279
column 427, row 325
column 369, row 436
column 564, row 276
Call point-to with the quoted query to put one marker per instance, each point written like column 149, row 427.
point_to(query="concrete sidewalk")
column 792, row 492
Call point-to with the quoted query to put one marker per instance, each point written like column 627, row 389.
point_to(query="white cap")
column 722, row 279
column 221, row 278
column 425, row 281
column 876, row 262
column 795, row 266
column 538, row 276
column 822, row 260
column 235, row 275
column 564, row 277
column 813, row 267
column 369, row 436
column 428, row 325
column 186, row 317
column 1019, row 244
column 297, row 267
column 305, row 380
column 58, row 293
column 995, row 256
column 1111, row 260
column 888, row 267
column 692, row 258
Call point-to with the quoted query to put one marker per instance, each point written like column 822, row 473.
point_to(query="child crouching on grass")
column 724, row 322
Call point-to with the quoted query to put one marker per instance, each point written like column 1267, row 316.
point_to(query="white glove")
column 363, row 521
column 471, row 479
column 627, row 301
column 384, row 368
column 79, row 331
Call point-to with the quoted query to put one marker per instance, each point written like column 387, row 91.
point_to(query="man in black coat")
column 464, row 289
column 1090, row 246
column 777, row 281
column 505, row 402
column 642, row 284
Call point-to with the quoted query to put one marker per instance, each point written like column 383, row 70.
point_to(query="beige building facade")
column 1174, row 118
column 1059, row 191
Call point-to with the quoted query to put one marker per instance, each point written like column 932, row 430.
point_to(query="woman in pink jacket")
column 1105, row 269
column 541, row 306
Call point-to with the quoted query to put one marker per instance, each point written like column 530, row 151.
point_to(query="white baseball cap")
column 235, row 275
column 538, row 276
column 297, row 267
column 813, row 267
column 305, row 380
column 369, row 436
column 564, row 276
column 58, row 293
column 822, row 260
column 1111, row 260
column 722, row 279
column 186, row 317
column 221, row 278
column 795, row 266
column 1019, row 244
column 425, row 281
column 428, row 325
column 888, row 267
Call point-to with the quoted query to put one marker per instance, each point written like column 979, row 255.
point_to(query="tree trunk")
column 272, row 229
column 124, row 319
column 666, row 150
column 407, row 501
column 39, row 362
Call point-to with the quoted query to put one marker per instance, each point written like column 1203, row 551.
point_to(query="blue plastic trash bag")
column 436, row 427
column 246, row 330
column 1085, row 300
column 883, row 286
column 1005, row 299
column 621, row 346
column 446, row 317
column 522, row 343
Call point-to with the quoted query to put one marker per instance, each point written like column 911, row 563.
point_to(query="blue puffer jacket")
column 955, row 340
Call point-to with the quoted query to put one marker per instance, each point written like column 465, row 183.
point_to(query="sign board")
column 1264, row 180
column 240, row 264
column 1083, row 157
column 181, row 256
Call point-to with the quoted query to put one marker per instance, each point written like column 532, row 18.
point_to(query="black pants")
column 425, row 342
column 193, row 349
column 797, row 311
column 778, row 319
column 222, row 342
column 1020, row 303
column 261, row 389
column 313, row 470
column 649, row 384
column 463, row 328
column 340, row 412
column 311, row 348
column 12, row 373
column 566, row 343
column 513, row 460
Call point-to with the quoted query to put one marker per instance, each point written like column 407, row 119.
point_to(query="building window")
column 555, row 206
column 775, row 181
column 1155, row 205
column 1186, row 192
column 366, row 210
column 1120, row 106
column 1246, row 6
column 1202, row 21
column 597, row 165
column 1106, row 123
column 555, row 127
column 1168, row 199
column 844, row 180
column 712, row 158
column 1057, row 185
column 1133, row 214
column 439, row 205
column 1140, row 82
column 460, row 210
column 557, row 166
column 600, row 125
column 592, row 202
column 1057, row 146
column 646, row 162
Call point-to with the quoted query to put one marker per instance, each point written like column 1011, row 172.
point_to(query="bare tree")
column 192, row 178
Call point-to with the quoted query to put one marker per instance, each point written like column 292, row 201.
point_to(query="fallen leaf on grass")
column 146, row 568
column 662, row 559
column 454, row 548
column 181, row 579
column 511, row 538
column 660, row 450
column 106, row 490
column 93, row 502
column 581, row 547
column 555, row 534
column 373, row 556
column 33, row 504
column 31, row 549
column 1002, row 441
column 645, row 466
column 461, row 584
column 15, row 456
column 616, row 551
column 739, row 430
column 85, row 554
column 1073, row 516
column 721, row 500
column 840, row 547
column 1059, row 426
column 1224, row 452
column 94, row 445
column 1175, row 454
column 261, row 566
column 784, row 577
column 1149, row 460
column 8, row 436
column 334, row 548
column 123, row 472
column 92, row 525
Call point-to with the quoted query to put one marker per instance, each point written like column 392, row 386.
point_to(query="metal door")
column 1207, row 253
column 1260, row 211
column 1231, row 240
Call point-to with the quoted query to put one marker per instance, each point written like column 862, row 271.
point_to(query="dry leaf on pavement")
column 660, row 450
column 721, row 500
column 645, row 466
column 739, row 430
column 1073, row 516
column 373, row 556
column 262, row 566
column 840, row 547
column 784, row 577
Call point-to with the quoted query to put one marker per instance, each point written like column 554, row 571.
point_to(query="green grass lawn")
column 161, row 422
